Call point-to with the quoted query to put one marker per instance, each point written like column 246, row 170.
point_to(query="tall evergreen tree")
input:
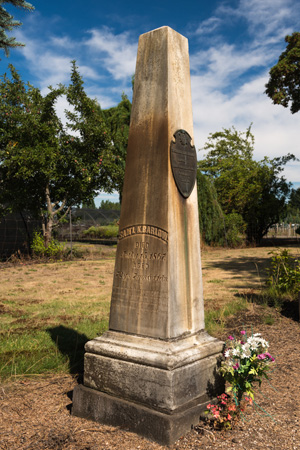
column 211, row 217
column 8, row 23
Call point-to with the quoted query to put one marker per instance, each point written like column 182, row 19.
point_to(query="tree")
column 46, row 168
column 108, row 205
column 294, row 201
column 293, row 211
column 7, row 23
column 283, row 86
column 252, row 189
column 118, row 120
column 211, row 216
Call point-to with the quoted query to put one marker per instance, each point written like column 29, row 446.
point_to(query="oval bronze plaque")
column 183, row 162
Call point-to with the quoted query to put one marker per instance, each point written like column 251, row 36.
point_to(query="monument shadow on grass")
column 71, row 344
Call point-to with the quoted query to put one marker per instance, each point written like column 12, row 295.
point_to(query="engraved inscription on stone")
column 183, row 162
column 142, row 256
column 141, row 277
column 143, row 229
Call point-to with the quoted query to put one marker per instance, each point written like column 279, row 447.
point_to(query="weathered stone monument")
column 155, row 369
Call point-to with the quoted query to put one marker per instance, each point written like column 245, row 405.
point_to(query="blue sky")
column 233, row 44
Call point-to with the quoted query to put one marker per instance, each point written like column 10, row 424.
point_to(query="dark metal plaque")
column 183, row 162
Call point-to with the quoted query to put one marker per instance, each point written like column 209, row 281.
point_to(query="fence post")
column 71, row 232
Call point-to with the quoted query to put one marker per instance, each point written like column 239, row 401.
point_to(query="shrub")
column 284, row 273
column 107, row 231
column 54, row 250
column 235, row 230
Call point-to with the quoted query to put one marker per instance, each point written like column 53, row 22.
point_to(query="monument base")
column 154, row 425
column 153, row 387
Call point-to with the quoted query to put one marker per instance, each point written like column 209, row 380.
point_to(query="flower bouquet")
column 246, row 362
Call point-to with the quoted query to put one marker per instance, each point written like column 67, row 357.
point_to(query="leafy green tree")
column 90, row 204
column 8, row 23
column 294, row 201
column 108, row 205
column 293, row 209
column 44, row 167
column 283, row 86
column 118, row 120
column 253, row 189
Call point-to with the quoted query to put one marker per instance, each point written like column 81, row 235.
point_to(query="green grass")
column 52, row 348
column 45, row 322
column 216, row 281
column 215, row 319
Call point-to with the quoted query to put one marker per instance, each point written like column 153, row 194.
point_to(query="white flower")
column 264, row 343
column 255, row 342
column 246, row 352
column 252, row 342
column 227, row 354
column 235, row 351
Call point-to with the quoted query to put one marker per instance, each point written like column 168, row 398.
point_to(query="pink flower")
column 229, row 417
column 267, row 354
column 236, row 366
column 243, row 332
column 261, row 356
column 231, row 338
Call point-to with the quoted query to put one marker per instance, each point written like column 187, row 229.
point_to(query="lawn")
column 49, row 310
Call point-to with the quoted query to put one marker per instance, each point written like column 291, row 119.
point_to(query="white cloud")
column 226, row 63
column 47, row 65
column 265, row 19
column 115, row 50
column 62, row 42
column 275, row 129
column 209, row 26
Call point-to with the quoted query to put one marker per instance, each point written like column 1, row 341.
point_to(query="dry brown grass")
column 73, row 298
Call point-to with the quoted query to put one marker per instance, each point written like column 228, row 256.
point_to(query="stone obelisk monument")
column 155, row 369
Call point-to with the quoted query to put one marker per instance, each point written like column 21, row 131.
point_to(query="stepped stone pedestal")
column 155, row 369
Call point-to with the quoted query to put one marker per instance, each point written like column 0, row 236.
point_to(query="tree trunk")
column 52, row 211
column 48, row 223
